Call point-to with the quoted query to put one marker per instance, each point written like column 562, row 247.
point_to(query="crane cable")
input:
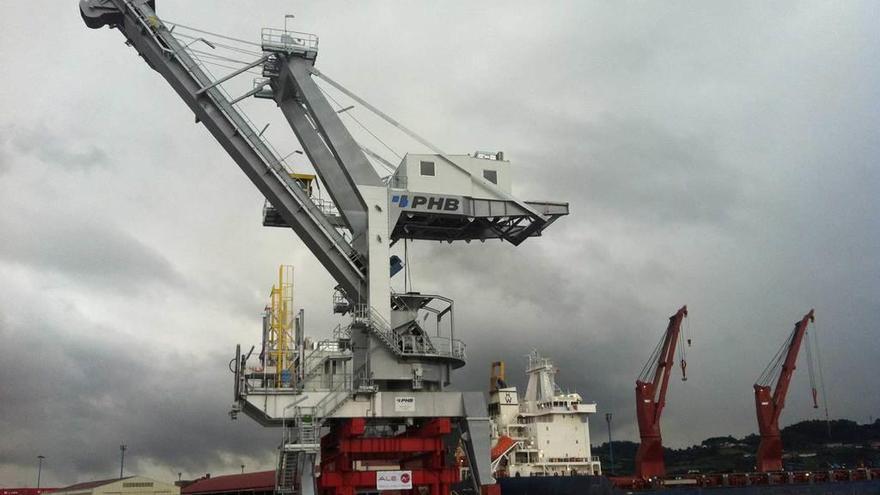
column 653, row 361
column 225, row 59
column 371, row 133
column 224, row 45
column 810, row 368
column 683, row 336
column 771, row 372
column 230, row 38
column 202, row 54
column 821, row 377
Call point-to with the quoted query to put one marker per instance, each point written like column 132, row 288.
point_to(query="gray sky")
column 720, row 155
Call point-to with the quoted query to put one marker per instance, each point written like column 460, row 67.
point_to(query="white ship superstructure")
column 544, row 433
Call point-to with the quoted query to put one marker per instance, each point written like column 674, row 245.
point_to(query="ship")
column 541, row 441
column 546, row 433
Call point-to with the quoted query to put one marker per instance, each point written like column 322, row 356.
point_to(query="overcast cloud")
column 719, row 155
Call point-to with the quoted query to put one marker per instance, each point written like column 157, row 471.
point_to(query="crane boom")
column 651, row 398
column 769, row 404
column 152, row 40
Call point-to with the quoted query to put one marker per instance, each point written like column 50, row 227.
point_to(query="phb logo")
column 420, row 202
column 402, row 200
column 404, row 478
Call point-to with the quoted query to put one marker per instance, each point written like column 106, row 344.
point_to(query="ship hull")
column 836, row 488
column 599, row 485
column 557, row 485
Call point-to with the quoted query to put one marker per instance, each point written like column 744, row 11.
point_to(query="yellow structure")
column 306, row 181
column 280, row 336
column 496, row 376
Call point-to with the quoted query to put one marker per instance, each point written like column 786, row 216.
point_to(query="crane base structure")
column 349, row 404
column 769, row 402
column 421, row 450
column 651, row 390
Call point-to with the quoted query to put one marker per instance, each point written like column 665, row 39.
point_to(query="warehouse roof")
column 88, row 485
column 258, row 482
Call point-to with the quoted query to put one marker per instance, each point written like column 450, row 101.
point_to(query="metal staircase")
column 313, row 364
column 400, row 341
column 370, row 319
column 299, row 447
column 288, row 471
column 307, row 428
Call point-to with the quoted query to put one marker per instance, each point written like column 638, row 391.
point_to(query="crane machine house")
column 544, row 433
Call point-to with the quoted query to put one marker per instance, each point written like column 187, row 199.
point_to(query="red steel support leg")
column 420, row 450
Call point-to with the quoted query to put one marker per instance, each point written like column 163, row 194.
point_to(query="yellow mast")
column 281, row 325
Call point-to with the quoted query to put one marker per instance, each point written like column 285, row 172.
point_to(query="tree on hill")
column 729, row 454
column 716, row 442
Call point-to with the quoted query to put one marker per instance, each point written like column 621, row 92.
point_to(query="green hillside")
column 807, row 447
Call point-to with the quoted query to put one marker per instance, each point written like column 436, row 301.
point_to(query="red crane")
column 769, row 405
column 651, row 397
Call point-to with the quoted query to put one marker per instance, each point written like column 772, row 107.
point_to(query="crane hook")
column 815, row 402
column 684, row 366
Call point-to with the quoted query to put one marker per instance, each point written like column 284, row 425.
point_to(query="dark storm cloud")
column 642, row 171
column 622, row 164
column 89, row 392
column 54, row 149
column 101, row 256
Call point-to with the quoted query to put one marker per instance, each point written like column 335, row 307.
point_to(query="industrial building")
column 25, row 491
column 130, row 485
column 259, row 483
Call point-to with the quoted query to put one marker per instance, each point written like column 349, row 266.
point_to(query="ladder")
column 299, row 445
column 288, row 472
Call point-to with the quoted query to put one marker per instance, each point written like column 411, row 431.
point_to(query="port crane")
column 651, row 389
column 388, row 400
column 769, row 402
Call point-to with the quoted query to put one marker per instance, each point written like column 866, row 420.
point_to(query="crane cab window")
column 491, row 176
column 427, row 169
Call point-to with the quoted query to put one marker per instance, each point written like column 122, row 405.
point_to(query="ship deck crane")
column 398, row 373
column 769, row 402
column 651, row 398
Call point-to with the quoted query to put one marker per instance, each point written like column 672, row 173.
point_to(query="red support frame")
column 420, row 449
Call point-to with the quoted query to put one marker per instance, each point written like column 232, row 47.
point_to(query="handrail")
column 408, row 345
column 289, row 41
